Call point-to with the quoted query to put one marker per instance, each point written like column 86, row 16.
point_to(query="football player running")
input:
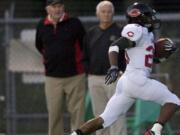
column 138, row 40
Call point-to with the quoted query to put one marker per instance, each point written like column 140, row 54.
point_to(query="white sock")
column 157, row 128
column 73, row 133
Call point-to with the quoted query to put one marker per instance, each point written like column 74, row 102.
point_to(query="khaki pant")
column 73, row 90
column 100, row 94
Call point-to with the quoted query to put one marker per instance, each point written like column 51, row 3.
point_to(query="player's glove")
column 112, row 75
column 170, row 46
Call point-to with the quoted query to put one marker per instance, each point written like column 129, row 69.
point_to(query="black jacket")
column 96, row 46
column 61, row 47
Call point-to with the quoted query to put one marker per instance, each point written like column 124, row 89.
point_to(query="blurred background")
column 22, row 101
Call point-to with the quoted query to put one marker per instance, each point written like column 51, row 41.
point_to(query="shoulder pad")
column 132, row 32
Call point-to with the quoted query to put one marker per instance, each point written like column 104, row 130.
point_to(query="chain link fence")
column 22, row 100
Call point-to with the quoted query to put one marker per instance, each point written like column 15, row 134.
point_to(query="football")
column 161, row 47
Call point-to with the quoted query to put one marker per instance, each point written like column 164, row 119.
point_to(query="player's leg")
column 99, row 98
column 169, row 101
column 167, row 111
column 100, row 94
column 116, row 106
column 120, row 126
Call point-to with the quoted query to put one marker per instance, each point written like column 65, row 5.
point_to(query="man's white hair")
column 102, row 3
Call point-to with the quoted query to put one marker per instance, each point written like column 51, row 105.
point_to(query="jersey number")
column 149, row 57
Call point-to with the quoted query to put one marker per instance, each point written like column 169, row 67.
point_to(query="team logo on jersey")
column 130, row 34
column 134, row 12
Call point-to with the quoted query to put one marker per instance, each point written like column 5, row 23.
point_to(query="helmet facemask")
column 150, row 21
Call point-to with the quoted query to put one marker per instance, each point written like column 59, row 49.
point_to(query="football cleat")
column 149, row 132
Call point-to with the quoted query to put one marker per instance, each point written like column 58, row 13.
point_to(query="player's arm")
column 130, row 34
column 120, row 44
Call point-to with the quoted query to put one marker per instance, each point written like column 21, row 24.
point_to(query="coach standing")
column 59, row 40
column 97, row 42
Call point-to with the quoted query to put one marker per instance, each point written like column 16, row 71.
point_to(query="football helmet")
column 142, row 14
